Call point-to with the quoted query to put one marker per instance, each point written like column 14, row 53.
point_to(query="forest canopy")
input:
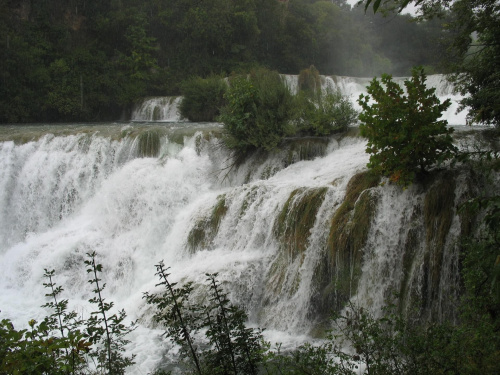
column 90, row 60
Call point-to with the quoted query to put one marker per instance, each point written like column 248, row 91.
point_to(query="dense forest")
column 90, row 60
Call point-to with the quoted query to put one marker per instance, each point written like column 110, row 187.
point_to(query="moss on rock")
column 292, row 229
column 439, row 209
column 305, row 148
column 297, row 218
column 348, row 234
column 149, row 144
column 205, row 229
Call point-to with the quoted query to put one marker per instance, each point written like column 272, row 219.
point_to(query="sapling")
column 219, row 330
column 101, row 326
column 174, row 312
column 236, row 347
column 72, row 339
column 58, row 306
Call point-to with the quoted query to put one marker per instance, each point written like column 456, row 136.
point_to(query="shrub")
column 405, row 135
column 202, row 98
column 64, row 344
column 309, row 81
column 258, row 111
column 321, row 115
column 230, row 347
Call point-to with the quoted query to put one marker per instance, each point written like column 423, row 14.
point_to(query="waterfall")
column 167, row 108
column 352, row 87
column 164, row 108
column 266, row 226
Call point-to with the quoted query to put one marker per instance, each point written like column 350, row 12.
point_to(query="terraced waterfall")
column 293, row 235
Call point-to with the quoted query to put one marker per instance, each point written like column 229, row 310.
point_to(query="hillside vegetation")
column 90, row 60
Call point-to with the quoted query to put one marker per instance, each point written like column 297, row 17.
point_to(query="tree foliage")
column 474, row 50
column 202, row 98
column 230, row 347
column 405, row 135
column 318, row 111
column 65, row 343
column 478, row 70
column 258, row 111
column 80, row 60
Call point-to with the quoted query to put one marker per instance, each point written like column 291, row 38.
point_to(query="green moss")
column 249, row 198
column 297, row 218
column 177, row 137
column 149, row 144
column 410, row 251
column 292, row 230
column 276, row 275
column 310, row 81
column 198, row 144
column 306, row 148
column 468, row 215
column 204, row 231
column 348, row 234
column 156, row 113
column 438, row 215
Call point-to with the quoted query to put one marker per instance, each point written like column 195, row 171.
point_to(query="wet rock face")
column 338, row 277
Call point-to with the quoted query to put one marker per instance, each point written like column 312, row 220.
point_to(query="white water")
column 166, row 108
column 353, row 87
column 64, row 196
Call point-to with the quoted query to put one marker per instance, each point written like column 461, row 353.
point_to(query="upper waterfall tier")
column 167, row 108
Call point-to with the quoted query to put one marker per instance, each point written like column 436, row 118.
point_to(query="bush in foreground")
column 63, row 343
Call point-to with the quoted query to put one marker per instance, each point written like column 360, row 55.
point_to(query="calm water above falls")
column 69, row 190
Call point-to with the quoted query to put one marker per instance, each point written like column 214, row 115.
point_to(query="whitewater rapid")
column 64, row 196
column 69, row 190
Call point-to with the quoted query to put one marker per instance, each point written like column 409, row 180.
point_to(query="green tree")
column 258, row 111
column 478, row 71
column 230, row 347
column 62, row 343
column 405, row 135
column 202, row 98
column 107, row 331
column 235, row 348
column 475, row 51
column 321, row 113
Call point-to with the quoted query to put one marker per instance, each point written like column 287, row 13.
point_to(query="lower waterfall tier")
column 294, row 235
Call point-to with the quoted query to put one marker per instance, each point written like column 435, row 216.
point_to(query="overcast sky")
column 411, row 9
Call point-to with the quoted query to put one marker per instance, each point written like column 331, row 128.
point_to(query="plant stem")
column 177, row 311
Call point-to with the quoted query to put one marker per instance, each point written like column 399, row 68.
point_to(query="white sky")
column 411, row 9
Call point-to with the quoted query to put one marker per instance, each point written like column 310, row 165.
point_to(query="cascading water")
column 352, row 87
column 158, row 109
column 265, row 226
column 166, row 108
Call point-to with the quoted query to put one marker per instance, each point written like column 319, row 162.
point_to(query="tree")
column 258, row 111
column 476, row 47
column 202, row 98
column 321, row 113
column 478, row 70
column 405, row 135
